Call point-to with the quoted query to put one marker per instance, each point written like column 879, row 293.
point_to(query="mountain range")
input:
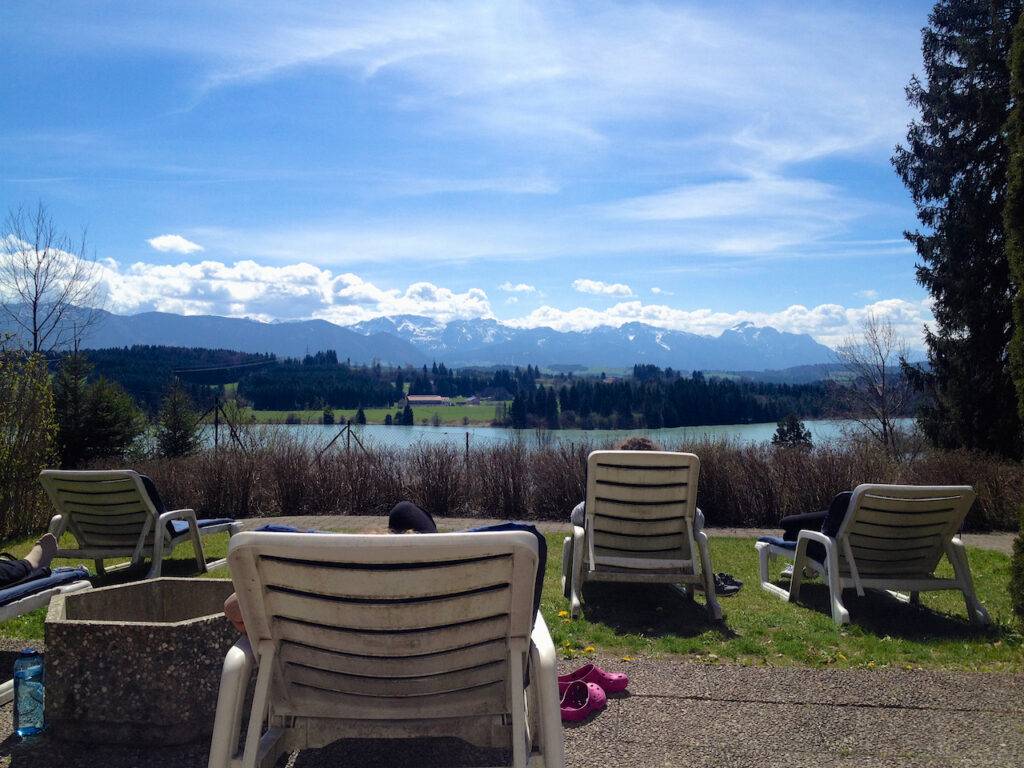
column 409, row 339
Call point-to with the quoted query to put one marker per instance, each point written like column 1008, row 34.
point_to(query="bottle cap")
column 28, row 652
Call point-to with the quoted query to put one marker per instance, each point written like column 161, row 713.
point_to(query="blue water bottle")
column 28, row 693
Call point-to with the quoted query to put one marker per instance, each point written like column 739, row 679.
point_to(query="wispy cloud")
column 173, row 244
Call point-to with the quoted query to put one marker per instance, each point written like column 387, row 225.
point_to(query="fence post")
column 348, row 438
column 467, row 450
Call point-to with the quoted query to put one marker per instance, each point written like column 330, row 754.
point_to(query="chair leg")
column 708, row 576
column 835, row 589
column 575, row 588
column 544, row 680
column 566, row 566
column 227, row 723
column 915, row 598
column 100, row 571
column 520, row 753
column 158, row 556
column 957, row 554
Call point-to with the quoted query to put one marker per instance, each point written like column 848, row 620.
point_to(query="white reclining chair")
column 387, row 637
column 39, row 598
column 642, row 525
column 111, row 515
column 891, row 538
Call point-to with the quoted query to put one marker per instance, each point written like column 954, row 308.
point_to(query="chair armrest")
column 542, row 642
column 56, row 525
column 698, row 520
column 578, row 531
column 177, row 514
column 817, row 536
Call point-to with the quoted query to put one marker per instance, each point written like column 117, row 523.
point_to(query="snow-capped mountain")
column 489, row 342
column 409, row 339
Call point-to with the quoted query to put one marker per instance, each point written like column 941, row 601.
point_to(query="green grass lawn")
column 448, row 415
column 758, row 629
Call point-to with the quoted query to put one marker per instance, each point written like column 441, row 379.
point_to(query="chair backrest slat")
column 900, row 530
column 388, row 626
column 103, row 508
column 640, row 505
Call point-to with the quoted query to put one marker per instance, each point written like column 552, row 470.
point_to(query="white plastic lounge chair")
column 892, row 538
column 111, row 515
column 37, row 598
column 387, row 637
column 642, row 525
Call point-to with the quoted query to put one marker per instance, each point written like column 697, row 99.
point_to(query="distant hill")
column 291, row 339
column 413, row 340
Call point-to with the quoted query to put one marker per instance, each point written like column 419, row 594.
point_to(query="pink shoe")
column 610, row 682
column 598, row 699
column 577, row 703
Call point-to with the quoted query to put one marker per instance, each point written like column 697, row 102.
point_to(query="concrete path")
column 683, row 713
column 1000, row 542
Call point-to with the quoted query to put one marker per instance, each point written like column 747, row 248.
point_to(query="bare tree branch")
column 879, row 392
column 49, row 284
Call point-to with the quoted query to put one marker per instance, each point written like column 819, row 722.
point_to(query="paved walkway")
column 684, row 713
column 1000, row 542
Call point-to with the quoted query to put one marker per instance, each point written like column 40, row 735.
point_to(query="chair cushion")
column 57, row 577
column 178, row 527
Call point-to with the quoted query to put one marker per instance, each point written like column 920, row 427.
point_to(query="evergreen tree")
column 518, row 412
column 94, row 420
column 791, row 433
column 178, row 425
column 408, row 418
column 1013, row 213
column 1013, row 221
column 70, row 388
column 551, row 410
column 360, row 417
column 387, row 420
column 955, row 166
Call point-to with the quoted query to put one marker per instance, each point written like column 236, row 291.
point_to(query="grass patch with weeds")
column 758, row 629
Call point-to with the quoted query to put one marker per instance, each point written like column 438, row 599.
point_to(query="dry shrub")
column 740, row 485
column 435, row 479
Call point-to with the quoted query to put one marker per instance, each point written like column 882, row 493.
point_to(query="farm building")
column 415, row 400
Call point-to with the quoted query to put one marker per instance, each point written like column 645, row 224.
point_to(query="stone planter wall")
column 137, row 663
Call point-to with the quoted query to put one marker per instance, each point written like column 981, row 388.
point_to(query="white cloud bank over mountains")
column 302, row 291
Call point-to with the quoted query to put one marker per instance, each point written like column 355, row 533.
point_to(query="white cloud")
column 295, row 291
column 661, row 291
column 600, row 288
column 828, row 323
column 867, row 293
column 512, row 300
column 174, row 244
column 517, row 288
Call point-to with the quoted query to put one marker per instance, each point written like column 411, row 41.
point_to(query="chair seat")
column 179, row 527
column 57, row 577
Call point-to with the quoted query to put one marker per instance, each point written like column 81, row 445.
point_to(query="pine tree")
column 178, row 425
column 1013, row 221
column 408, row 418
column 518, row 412
column 791, row 433
column 1013, row 212
column 955, row 166
column 387, row 420
column 551, row 410
column 360, row 417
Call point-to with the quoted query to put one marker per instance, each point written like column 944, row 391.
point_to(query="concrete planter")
column 137, row 663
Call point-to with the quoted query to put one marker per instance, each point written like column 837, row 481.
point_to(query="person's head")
column 638, row 444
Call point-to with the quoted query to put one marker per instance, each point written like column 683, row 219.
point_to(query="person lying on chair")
column 35, row 565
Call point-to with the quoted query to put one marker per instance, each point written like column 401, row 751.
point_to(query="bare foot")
column 42, row 553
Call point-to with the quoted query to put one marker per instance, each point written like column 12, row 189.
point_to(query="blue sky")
column 691, row 165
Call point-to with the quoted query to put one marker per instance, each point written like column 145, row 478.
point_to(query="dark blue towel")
column 276, row 528
column 778, row 541
column 179, row 527
column 57, row 577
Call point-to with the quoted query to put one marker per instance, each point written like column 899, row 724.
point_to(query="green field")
column 448, row 415
column 759, row 629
